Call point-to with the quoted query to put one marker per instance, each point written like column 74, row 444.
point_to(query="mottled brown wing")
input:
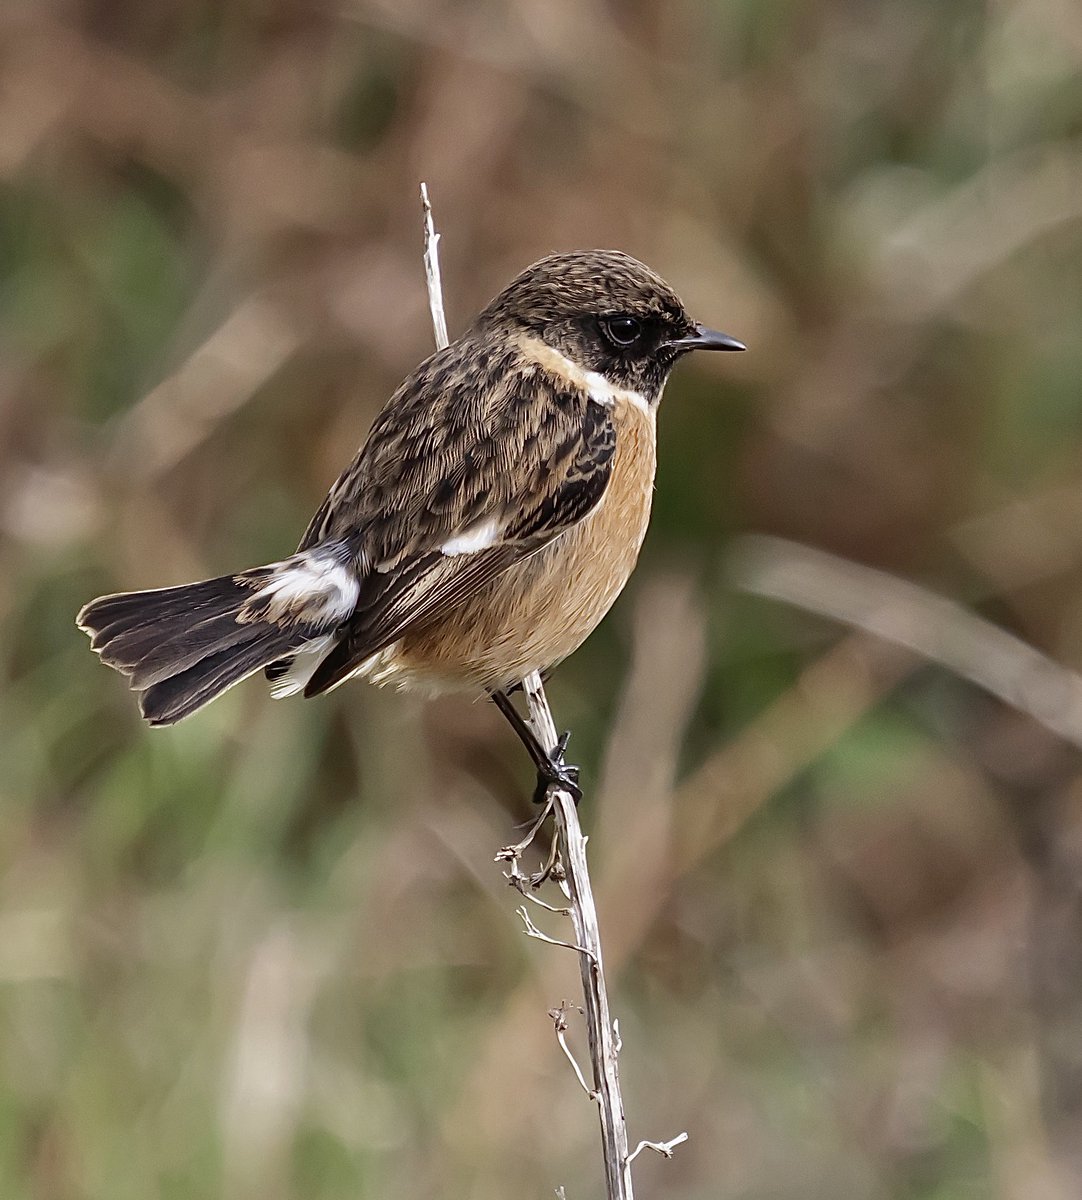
column 476, row 436
column 431, row 455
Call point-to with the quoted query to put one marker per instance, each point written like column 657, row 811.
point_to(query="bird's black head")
column 606, row 312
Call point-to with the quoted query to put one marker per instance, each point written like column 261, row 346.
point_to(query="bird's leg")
column 551, row 769
column 567, row 774
column 520, row 685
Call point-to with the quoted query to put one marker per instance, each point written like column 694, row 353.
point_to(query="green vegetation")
column 267, row 954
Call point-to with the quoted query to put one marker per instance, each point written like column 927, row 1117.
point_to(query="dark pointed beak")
column 707, row 339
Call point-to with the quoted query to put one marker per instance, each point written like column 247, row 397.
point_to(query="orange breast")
column 542, row 609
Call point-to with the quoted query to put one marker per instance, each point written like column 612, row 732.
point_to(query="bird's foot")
column 557, row 773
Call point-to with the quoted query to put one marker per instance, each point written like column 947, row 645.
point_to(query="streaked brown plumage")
column 541, row 609
column 483, row 530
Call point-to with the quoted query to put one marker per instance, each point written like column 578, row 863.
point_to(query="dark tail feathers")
column 182, row 646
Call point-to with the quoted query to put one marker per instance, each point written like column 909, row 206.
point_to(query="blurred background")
column 268, row 953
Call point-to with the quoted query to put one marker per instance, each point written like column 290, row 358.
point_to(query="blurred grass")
column 267, row 953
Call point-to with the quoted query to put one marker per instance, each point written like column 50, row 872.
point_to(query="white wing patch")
column 478, row 537
column 310, row 587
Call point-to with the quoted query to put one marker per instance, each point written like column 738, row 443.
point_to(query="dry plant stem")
column 599, row 1024
column 432, row 273
column 909, row 615
column 570, row 848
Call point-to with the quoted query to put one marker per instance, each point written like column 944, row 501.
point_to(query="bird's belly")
column 540, row 610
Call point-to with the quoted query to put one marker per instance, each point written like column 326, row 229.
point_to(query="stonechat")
column 482, row 531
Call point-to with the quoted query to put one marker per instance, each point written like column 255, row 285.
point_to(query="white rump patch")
column 312, row 587
column 305, row 661
column 480, row 537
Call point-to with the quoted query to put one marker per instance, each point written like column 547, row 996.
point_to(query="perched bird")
column 482, row 531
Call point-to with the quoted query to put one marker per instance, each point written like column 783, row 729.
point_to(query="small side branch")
column 665, row 1149
column 559, row 1022
column 542, row 936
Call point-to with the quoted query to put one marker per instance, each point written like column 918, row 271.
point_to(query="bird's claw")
column 558, row 774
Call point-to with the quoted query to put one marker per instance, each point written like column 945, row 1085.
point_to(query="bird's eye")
column 622, row 331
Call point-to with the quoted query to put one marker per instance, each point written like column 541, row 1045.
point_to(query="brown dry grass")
column 267, row 954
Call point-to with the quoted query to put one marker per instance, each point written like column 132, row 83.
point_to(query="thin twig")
column 599, row 1026
column 566, row 865
column 665, row 1149
column 510, row 853
column 560, row 912
column 533, row 931
column 432, row 273
column 550, row 869
column 559, row 1023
